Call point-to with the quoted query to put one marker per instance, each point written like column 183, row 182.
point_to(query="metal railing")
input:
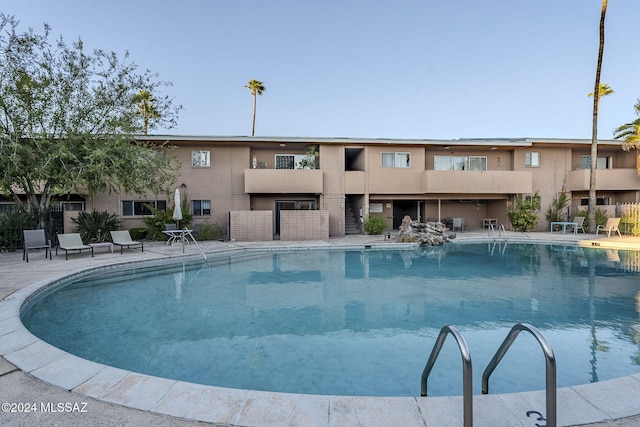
column 501, row 232
column 467, row 377
column 467, row 371
column 551, row 403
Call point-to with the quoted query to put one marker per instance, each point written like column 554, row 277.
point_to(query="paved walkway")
column 53, row 405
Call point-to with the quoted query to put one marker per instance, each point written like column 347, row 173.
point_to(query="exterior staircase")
column 351, row 225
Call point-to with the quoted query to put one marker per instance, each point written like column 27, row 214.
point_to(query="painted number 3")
column 539, row 417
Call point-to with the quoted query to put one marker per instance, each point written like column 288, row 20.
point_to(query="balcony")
column 283, row 181
column 477, row 182
column 606, row 179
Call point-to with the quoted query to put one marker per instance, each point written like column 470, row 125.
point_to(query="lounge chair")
column 611, row 226
column 579, row 220
column 35, row 239
column 123, row 238
column 72, row 242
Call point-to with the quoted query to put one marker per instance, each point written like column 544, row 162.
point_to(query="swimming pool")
column 346, row 327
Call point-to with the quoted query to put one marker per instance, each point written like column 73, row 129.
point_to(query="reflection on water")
column 357, row 322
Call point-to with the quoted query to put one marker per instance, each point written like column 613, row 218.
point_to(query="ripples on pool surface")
column 356, row 322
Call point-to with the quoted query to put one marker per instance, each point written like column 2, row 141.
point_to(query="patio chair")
column 35, row 239
column 458, row 223
column 72, row 242
column 579, row 220
column 123, row 238
column 611, row 226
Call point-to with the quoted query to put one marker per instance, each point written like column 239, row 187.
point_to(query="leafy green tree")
column 629, row 133
column 591, row 219
column 68, row 120
column 256, row 87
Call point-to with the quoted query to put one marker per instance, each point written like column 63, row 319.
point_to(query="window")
column 72, row 206
column 396, row 160
column 294, row 161
column 139, row 208
column 477, row 163
column 201, row 207
column 200, row 159
column 600, row 201
column 532, row 159
column 460, row 163
column 601, row 162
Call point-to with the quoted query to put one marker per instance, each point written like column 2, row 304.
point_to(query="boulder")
column 430, row 233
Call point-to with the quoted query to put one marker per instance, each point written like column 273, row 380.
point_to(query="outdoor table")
column 488, row 222
column 177, row 236
column 564, row 226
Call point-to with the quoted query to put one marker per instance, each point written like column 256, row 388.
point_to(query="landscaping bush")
column 374, row 224
column 12, row 222
column 211, row 232
column 524, row 213
column 95, row 226
column 157, row 222
column 138, row 233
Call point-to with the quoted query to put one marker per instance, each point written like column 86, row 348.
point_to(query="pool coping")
column 590, row 403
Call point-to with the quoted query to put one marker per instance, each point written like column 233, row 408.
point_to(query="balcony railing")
column 283, row 181
column 606, row 179
column 477, row 182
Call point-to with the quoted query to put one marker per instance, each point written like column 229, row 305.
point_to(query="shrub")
column 210, row 232
column 524, row 214
column 375, row 224
column 157, row 222
column 138, row 233
column 12, row 222
column 556, row 211
column 95, row 226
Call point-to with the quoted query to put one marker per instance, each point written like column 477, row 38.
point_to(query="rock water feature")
column 425, row 233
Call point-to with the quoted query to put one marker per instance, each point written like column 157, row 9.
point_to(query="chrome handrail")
column 467, row 377
column 188, row 232
column 551, row 402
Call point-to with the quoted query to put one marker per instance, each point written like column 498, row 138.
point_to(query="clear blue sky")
column 370, row 68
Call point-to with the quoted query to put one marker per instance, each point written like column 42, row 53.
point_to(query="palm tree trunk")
column 253, row 124
column 591, row 217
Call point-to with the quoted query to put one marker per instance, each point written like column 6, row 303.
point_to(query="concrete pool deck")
column 61, row 389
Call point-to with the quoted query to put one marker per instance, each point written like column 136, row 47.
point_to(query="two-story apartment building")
column 350, row 178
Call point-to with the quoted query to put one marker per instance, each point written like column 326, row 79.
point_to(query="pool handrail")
column 467, row 377
column 551, row 401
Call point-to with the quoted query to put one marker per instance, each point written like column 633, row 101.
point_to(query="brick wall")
column 304, row 225
column 251, row 226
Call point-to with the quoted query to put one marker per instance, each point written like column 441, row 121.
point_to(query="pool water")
column 356, row 322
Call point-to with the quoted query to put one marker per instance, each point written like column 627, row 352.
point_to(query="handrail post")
column 551, row 400
column 467, row 374
column 188, row 232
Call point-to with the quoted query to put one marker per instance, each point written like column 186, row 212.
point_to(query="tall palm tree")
column 629, row 133
column 603, row 90
column 591, row 216
column 146, row 108
column 256, row 87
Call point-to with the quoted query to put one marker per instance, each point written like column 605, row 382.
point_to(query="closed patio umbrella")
column 177, row 211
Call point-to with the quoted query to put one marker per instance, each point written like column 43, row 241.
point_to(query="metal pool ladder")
column 467, row 387
column 501, row 232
